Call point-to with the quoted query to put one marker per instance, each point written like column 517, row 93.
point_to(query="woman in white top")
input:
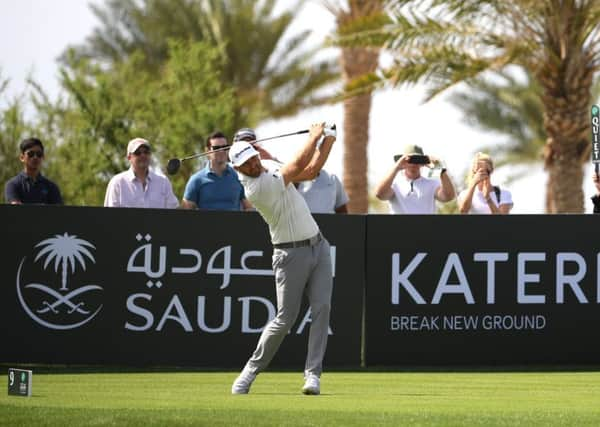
column 481, row 197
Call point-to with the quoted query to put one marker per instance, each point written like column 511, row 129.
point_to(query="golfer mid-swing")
column 301, row 257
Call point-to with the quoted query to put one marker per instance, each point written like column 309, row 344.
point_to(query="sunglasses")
column 218, row 147
column 142, row 151
column 35, row 153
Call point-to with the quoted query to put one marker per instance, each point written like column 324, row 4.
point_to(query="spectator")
column 245, row 134
column 410, row 193
column 481, row 197
column 596, row 197
column 139, row 187
column 217, row 186
column 30, row 186
column 324, row 194
column 248, row 135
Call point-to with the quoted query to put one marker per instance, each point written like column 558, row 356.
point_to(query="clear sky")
column 35, row 33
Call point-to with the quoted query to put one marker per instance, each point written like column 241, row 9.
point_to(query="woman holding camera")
column 481, row 197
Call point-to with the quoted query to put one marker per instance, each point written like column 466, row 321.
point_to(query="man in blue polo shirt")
column 30, row 186
column 216, row 186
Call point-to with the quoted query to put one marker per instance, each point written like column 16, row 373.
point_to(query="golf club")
column 174, row 164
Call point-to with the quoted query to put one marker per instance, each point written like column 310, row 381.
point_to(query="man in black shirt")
column 30, row 186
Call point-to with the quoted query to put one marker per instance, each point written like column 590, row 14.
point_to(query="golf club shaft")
column 300, row 132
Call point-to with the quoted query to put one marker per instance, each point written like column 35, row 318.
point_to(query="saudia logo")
column 58, row 305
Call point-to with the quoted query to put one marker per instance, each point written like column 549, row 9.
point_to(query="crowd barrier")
column 142, row 287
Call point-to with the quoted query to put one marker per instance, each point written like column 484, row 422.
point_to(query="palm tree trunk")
column 550, row 209
column 357, row 62
column 356, row 139
column 566, row 96
column 567, row 175
column 567, row 149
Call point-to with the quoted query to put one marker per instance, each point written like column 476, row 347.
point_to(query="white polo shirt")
column 125, row 190
column 324, row 194
column 283, row 208
column 413, row 196
column 480, row 206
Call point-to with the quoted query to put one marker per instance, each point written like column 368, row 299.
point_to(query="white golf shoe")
column 312, row 385
column 242, row 383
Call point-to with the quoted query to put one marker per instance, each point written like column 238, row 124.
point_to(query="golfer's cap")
column 244, row 134
column 240, row 152
column 136, row 143
column 412, row 149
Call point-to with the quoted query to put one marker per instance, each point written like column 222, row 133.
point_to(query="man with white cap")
column 301, row 255
column 139, row 187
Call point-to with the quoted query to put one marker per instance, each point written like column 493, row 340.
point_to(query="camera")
column 415, row 159
column 418, row 159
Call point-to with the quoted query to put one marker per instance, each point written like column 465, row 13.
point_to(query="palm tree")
column 127, row 26
column 511, row 108
column 452, row 41
column 271, row 80
column 64, row 250
column 357, row 61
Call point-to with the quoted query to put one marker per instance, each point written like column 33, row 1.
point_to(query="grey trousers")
column 298, row 271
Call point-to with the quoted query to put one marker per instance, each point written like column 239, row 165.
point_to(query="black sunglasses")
column 218, row 147
column 35, row 153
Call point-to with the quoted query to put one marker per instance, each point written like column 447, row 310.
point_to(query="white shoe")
column 242, row 383
column 312, row 385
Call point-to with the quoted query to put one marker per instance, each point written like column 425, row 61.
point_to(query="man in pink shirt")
column 139, row 187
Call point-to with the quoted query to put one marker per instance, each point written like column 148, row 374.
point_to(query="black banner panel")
column 160, row 287
column 451, row 290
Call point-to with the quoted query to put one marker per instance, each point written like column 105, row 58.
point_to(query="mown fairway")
column 348, row 399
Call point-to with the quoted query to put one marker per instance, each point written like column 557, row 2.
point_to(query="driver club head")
column 173, row 166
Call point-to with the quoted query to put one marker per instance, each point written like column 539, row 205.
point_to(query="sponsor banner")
column 159, row 287
column 482, row 289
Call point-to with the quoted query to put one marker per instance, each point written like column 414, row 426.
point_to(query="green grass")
column 348, row 399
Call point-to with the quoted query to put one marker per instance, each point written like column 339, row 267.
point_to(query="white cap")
column 240, row 152
column 136, row 143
